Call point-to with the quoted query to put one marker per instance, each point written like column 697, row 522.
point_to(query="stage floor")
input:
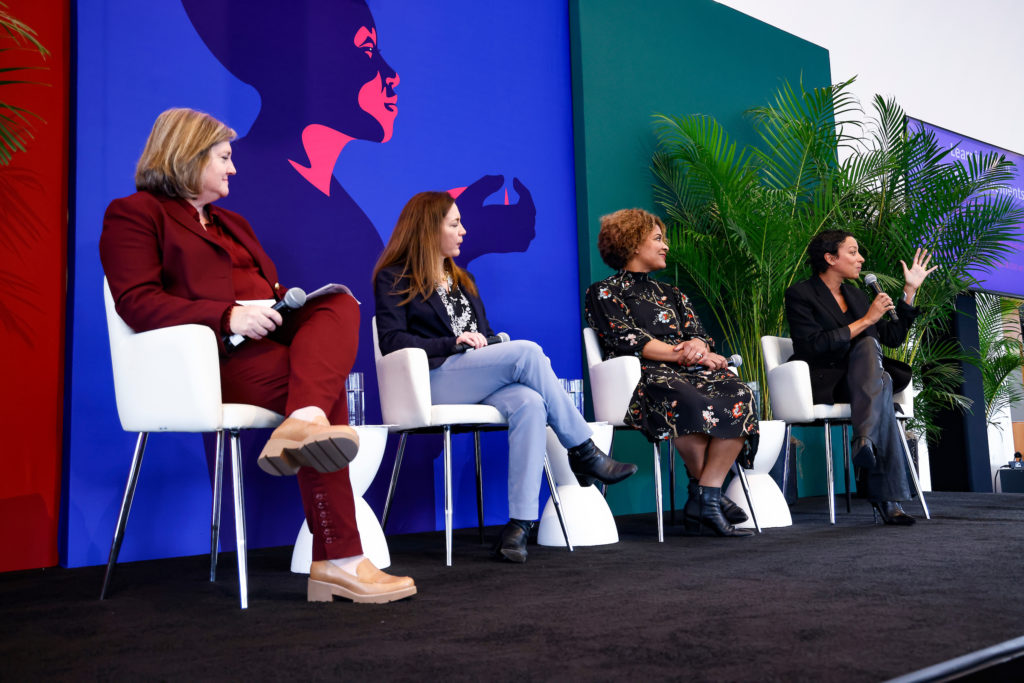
column 810, row 602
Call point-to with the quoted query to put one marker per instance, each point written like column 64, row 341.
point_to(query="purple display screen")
column 1008, row 277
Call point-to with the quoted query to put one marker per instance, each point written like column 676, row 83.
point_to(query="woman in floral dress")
column 685, row 393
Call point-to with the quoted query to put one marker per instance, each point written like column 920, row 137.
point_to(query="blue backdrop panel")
column 483, row 97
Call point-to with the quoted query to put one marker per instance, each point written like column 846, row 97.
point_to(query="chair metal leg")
column 557, row 500
column 448, row 494
column 479, row 487
column 126, row 506
column 240, row 545
column 671, row 484
column 394, row 480
column 913, row 470
column 846, row 465
column 657, row 492
column 746, row 493
column 829, row 469
column 788, row 437
column 218, row 490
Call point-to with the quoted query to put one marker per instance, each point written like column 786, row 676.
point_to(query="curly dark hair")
column 622, row 232
column 825, row 242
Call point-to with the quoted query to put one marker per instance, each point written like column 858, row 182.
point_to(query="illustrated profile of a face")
column 318, row 60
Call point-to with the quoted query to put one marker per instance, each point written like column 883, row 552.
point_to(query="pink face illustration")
column 377, row 96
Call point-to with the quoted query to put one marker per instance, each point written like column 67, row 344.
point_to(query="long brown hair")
column 415, row 245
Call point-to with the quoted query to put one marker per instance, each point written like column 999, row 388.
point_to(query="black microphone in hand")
column 293, row 298
column 493, row 339
column 872, row 281
column 734, row 361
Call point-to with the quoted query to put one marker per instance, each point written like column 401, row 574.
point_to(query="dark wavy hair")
column 622, row 232
column 825, row 242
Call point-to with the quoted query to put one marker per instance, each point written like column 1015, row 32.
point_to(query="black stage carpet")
column 810, row 602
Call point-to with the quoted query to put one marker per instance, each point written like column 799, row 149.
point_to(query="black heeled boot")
column 704, row 511
column 589, row 464
column 891, row 512
column 863, row 452
column 732, row 512
column 511, row 544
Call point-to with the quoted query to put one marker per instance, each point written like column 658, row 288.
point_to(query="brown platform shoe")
column 369, row 585
column 317, row 444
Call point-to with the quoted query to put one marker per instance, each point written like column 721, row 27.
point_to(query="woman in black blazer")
column 839, row 333
column 426, row 301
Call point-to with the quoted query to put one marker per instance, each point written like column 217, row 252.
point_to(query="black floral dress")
column 627, row 310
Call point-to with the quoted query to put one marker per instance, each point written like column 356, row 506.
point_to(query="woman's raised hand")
column 254, row 322
column 918, row 270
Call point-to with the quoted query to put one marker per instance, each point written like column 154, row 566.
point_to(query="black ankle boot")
column 511, row 544
column 863, row 452
column 732, row 512
column 589, row 465
column 704, row 512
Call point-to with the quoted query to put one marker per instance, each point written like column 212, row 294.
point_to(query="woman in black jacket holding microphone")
column 839, row 333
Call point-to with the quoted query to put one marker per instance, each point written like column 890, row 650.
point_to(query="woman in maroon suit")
column 171, row 258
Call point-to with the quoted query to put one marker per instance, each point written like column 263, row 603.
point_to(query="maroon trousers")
column 303, row 363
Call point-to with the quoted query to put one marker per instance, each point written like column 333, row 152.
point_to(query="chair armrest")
column 789, row 389
column 403, row 379
column 612, row 383
column 168, row 380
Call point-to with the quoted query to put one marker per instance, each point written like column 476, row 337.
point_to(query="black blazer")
column 821, row 335
column 418, row 323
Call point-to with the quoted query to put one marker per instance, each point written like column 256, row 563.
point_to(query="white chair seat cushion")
column 243, row 416
column 831, row 411
column 465, row 414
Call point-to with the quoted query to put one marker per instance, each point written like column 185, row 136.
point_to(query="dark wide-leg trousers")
column 873, row 416
column 304, row 363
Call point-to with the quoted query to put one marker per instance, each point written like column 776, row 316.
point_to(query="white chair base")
column 588, row 519
column 765, row 495
column 361, row 472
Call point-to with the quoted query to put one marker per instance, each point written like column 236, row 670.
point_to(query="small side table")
column 588, row 518
column 362, row 470
column 770, row 504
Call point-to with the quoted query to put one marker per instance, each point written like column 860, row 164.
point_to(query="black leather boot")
column 589, row 465
column 511, row 544
column 732, row 512
column 703, row 512
column 891, row 512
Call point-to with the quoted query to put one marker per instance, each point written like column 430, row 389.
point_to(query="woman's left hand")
column 474, row 339
column 918, row 270
column 692, row 351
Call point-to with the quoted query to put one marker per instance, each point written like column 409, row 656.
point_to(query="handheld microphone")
column 735, row 361
column 293, row 298
column 872, row 281
column 493, row 339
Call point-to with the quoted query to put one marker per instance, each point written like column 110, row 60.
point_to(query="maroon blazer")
column 163, row 268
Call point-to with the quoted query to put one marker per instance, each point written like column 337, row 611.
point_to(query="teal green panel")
column 631, row 60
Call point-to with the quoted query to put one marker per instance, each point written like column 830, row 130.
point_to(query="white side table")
column 770, row 504
column 362, row 470
column 587, row 517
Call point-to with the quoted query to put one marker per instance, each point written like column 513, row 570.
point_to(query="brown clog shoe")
column 318, row 444
column 369, row 585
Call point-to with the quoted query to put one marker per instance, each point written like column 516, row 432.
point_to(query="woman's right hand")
column 254, row 322
column 474, row 339
column 879, row 307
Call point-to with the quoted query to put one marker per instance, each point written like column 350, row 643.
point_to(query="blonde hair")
column 622, row 232
column 415, row 245
column 177, row 152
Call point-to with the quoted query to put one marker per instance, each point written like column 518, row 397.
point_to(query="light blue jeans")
column 516, row 378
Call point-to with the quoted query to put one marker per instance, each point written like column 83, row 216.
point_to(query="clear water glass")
column 574, row 387
column 356, row 399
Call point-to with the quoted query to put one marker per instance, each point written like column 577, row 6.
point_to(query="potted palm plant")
column 740, row 219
